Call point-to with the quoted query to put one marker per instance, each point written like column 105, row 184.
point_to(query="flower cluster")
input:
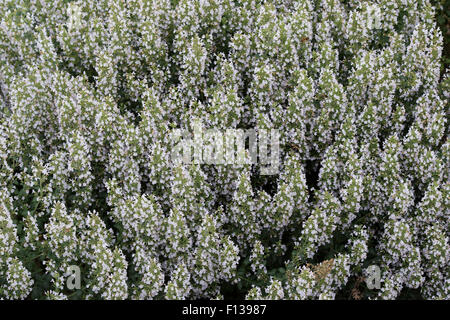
column 90, row 92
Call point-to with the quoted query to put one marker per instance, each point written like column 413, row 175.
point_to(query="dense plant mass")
column 91, row 90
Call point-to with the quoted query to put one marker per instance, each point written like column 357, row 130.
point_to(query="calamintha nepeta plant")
column 90, row 91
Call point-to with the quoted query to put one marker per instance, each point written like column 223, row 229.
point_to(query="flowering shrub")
column 91, row 90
